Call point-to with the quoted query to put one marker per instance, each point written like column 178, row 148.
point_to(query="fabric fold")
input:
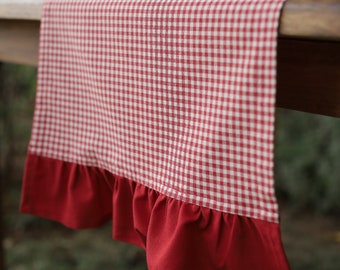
column 77, row 201
column 175, row 234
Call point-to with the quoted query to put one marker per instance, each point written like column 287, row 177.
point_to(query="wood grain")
column 21, row 9
column 311, row 19
column 19, row 41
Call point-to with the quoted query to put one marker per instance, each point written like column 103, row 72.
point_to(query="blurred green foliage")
column 307, row 161
column 63, row 249
column 17, row 95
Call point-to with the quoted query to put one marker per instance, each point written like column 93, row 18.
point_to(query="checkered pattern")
column 176, row 95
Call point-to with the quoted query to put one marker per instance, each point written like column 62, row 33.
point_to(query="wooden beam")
column 308, row 76
column 311, row 19
column 19, row 41
column 21, row 9
column 300, row 18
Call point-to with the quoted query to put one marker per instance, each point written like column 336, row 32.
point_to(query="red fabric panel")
column 175, row 234
column 173, row 231
column 81, row 200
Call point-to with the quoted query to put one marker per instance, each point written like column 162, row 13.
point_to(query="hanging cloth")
column 160, row 115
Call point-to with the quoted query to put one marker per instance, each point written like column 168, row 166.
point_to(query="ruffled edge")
column 175, row 234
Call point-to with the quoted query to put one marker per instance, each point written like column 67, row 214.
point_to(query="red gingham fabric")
column 175, row 95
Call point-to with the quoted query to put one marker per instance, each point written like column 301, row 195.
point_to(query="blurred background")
column 307, row 178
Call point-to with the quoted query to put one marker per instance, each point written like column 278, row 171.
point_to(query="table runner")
column 160, row 114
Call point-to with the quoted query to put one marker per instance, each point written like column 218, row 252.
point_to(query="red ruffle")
column 175, row 235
